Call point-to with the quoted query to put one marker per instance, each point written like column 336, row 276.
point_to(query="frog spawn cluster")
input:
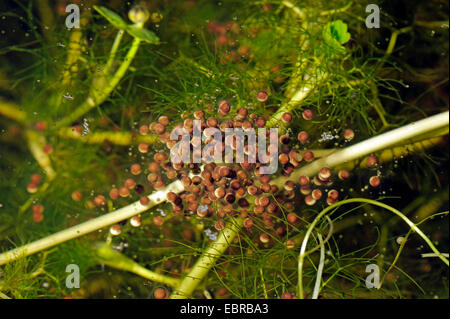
column 214, row 191
column 218, row 190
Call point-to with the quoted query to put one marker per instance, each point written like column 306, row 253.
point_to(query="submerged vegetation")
column 86, row 176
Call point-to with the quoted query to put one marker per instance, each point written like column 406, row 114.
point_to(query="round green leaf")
column 142, row 34
column 335, row 34
column 112, row 17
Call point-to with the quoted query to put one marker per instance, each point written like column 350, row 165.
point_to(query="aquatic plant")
column 104, row 109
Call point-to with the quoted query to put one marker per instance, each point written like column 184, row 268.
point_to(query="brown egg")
column 303, row 137
column 160, row 293
column 286, row 117
column 115, row 230
column 114, row 194
column 135, row 221
column 262, row 96
column 372, row 161
column 77, row 195
column 144, row 200
column 100, row 200
column 374, row 181
column 308, row 114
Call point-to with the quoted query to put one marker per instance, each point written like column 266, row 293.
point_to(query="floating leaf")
column 112, row 17
column 136, row 32
column 142, row 34
column 335, row 34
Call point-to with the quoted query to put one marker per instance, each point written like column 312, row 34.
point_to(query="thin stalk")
column 432, row 24
column 301, row 60
column 74, row 51
column 42, row 189
column 3, row 296
column 36, row 144
column 208, row 259
column 393, row 39
column 429, row 255
column 118, row 138
column 116, row 260
column 369, row 146
column 301, row 94
column 99, row 94
column 402, row 245
column 329, row 234
column 12, row 111
column 377, row 105
column 422, row 214
column 112, row 53
column 334, row 11
column 203, row 70
column 431, row 205
column 87, row 227
column 382, row 245
column 297, row 11
column 395, row 152
column 47, row 17
column 357, row 200
column 263, row 283
column 320, row 268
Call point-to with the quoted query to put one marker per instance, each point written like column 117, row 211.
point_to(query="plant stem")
column 382, row 243
column 118, row 138
column 76, row 231
column 263, row 283
column 12, row 111
column 99, row 94
column 432, row 24
column 334, row 11
column 428, row 255
column 431, row 205
column 36, row 144
column 31, row 199
column 297, row 98
column 116, row 260
column 203, row 70
column 297, row 11
column 113, row 51
column 370, row 146
column 48, row 20
column 395, row 152
column 377, row 104
column 320, row 268
column 3, row 296
column 402, row 245
column 208, row 259
column 393, row 39
column 356, row 200
column 74, row 51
